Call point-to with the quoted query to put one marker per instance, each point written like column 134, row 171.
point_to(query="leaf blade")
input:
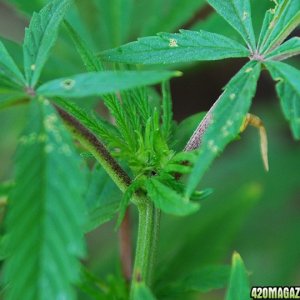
column 238, row 14
column 278, row 24
column 288, row 49
column 89, row 59
column 49, row 201
column 8, row 67
column 99, row 83
column 203, row 280
column 228, row 114
column 102, row 199
column 168, row 200
column 238, row 284
column 168, row 48
column 288, row 91
column 40, row 38
column 142, row 292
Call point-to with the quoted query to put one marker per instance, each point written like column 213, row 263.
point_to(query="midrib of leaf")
column 189, row 46
column 245, row 28
column 190, row 38
column 269, row 44
column 246, row 34
column 238, row 108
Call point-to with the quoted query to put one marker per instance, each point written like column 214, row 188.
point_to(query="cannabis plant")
column 76, row 169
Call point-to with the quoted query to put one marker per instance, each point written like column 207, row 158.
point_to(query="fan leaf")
column 288, row 49
column 168, row 48
column 46, row 211
column 99, row 83
column 238, row 14
column 8, row 68
column 40, row 38
column 279, row 22
column 226, row 118
column 288, row 90
column 169, row 200
column 238, row 284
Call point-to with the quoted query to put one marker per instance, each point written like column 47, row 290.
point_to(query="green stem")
column 148, row 228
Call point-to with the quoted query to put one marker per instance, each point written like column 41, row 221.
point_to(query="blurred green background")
column 251, row 211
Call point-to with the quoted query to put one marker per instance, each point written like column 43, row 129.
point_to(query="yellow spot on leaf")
column 68, row 84
column 173, row 43
column 232, row 96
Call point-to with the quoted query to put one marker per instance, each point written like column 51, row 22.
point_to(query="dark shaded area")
column 199, row 88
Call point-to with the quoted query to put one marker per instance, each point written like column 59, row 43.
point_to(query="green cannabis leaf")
column 47, row 217
column 40, row 38
column 279, row 22
column 225, row 119
column 142, row 292
column 91, row 63
column 8, row 68
column 238, row 284
column 288, row 49
column 8, row 97
column 238, row 14
column 99, row 83
column 203, row 280
column 168, row 200
column 167, row 48
column 102, row 199
column 288, row 90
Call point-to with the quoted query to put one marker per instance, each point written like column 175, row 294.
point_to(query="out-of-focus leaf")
column 169, row 200
column 211, row 231
column 114, row 21
column 227, row 117
column 15, row 51
column 167, row 114
column 239, row 284
column 170, row 15
column 6, row 187
column 99, row 83
column 29, row 6
column 8, row 68
column 4, row 251
column 238, row 14
column 142, row 292
column 102, row 199
column 168, row 48
column 90, row 61
column 288, row 49
column 9, row 97
column 279, row 22
column 50, row 203
column 288, row 90
column 204, row 280
column 40, row 38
